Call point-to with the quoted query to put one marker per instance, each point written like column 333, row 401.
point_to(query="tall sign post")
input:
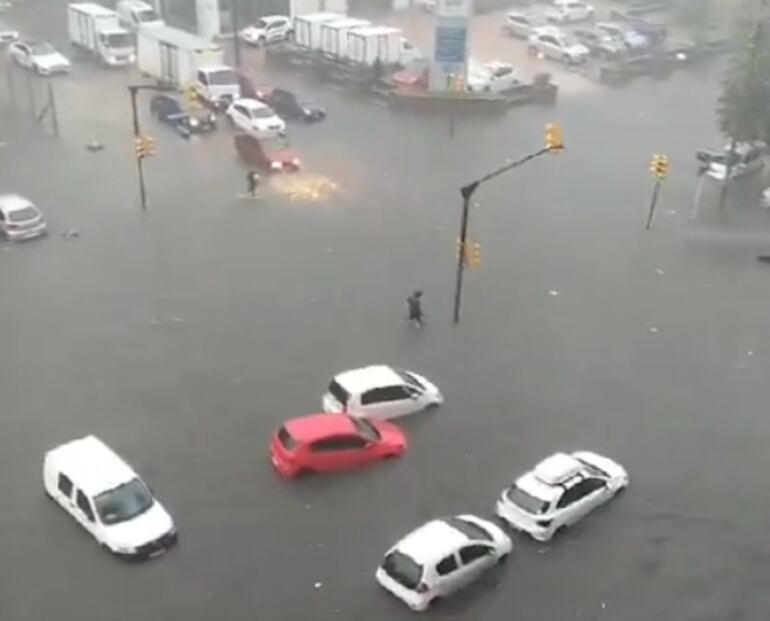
column 449, row 64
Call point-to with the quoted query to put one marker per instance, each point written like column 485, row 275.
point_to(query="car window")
column 286, row 439
column 471, row 553
column 365, row 429
column 403, row 569
column 338, row 392
column 85, row 507
column 2, row 215
column 202, row 78
column 338, row 443
column 579, row 491
column 469, row 529
column 23, row 214
column 528, row 502
column 65, row 485
column 124, row 503
column 446, row 565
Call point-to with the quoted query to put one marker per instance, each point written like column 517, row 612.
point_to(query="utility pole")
column 236, row 30
column 554, row 144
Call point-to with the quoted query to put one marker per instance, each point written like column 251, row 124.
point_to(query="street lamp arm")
column 468, row 190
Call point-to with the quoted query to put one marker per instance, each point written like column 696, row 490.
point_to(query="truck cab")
column 116, row 47
column 217, row 85
column 136, row 14
column 97, row 30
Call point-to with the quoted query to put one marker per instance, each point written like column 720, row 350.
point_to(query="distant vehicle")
column 256, row 117
column 748, row 158
column 268, row 29
column 634, row 40
column 333, row 442
column 20, row 219
column 250, row 88
column 101, row 491
column 559, row 491
column 569, row 11
column 169, row 110
column 441, row 557
column 380, row 392
column 7, row 34
column 522, row 25
column 599, row 42
column 288, row 106
column 387, row 45
column 554, row 43
column 217, row 85
column 493, row 77
column 271, row 155
column 136, row 14
column 415, row 75
column 38, row 56
column 98, row 31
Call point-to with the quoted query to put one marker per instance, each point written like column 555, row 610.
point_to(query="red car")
column 268, row 154
column 331, row 442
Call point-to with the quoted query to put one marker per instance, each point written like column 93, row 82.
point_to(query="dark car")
column 168, row 109
column 288, row 106
column 271, row 155
column 600, row 43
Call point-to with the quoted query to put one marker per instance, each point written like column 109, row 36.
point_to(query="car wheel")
column 559, row 532
column 503, row 558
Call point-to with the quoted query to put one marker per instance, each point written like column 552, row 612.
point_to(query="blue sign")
column 450, row 44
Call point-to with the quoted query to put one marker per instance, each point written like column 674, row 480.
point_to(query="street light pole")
column 137, row 135
column 467, row 192
column 236, row 38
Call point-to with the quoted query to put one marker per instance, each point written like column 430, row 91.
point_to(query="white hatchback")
column 568, row 11
column 20, row 219
column 441, row 557
column 380, row 391
column 101, row 491
column 268, row 29
column 493, row 77
column 41, row 57
column 559, row 491
column 257, row 118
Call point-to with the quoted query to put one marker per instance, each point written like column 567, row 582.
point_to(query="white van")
column 137, row 14
column 103, row 493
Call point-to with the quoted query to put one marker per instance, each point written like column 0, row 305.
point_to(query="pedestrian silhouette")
column 252, row 181
column 414, row 305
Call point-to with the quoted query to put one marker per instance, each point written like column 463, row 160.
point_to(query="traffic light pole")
column 137, row 134
column 467, row 192
column 236, row 38
column 653, row 203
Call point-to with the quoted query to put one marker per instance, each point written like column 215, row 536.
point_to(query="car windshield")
column 286, row 439
column 23, row 214
column 223, row 77
column 42, row 49
column 262, row 113
column 124, row 502
column 366, row 429
column 148, row 16
column 261, row 24
column 527, row 502
column 595, row 471
column 119, row 40
column 471, row 530
column 402, row 569
column 338, row 392
column 410, row 379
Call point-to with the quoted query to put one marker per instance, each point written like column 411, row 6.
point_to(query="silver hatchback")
column 20, row 219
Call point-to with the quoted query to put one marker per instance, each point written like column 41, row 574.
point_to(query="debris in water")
column 318, row 585
column 653, row 330
column 94, row 145
column 553, row 292
column 71, row 234
column 659, row 272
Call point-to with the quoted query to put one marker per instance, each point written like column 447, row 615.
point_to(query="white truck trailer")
column 178, row 58
column 295, row 8
column 334, row 35
column 372, row 43
column 307, row 28
column 97, row 30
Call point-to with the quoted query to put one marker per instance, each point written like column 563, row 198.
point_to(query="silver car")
column 522, row 25
column 20, row 219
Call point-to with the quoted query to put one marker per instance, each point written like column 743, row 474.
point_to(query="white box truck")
column 307, row 28
column 181, row 59
column 296, row 8
column 334, row 35
column 97, row 30
column 367, row 45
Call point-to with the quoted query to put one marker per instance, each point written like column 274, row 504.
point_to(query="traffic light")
column 553, row 138
column 659, row 166
column 192, row 96
column 144, row 146
column 472, row 254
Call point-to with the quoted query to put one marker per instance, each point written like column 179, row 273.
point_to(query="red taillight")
column 422, row 588
column 13, row 227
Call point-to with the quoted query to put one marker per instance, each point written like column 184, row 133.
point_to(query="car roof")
column 535, row 487
column 361, row 380
column 431, row 541
column 316, row 426
column 14, row 202
column 92, row 465
column 274, row 18
column 558, row 469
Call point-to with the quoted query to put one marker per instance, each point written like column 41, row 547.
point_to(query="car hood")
column 51, row 60
column 147, row 527
column 578, row 49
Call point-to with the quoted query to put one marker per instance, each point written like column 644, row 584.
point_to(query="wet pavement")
column 183, row 336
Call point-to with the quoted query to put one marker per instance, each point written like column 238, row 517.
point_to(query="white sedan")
column 7, row 34
column 493, row 77
column 569, row 11
column 255, row 117
column 268, row 29
column 39, row 57
column 380, row 391
column 552, row 42
column 440, row 557
column 559, row 491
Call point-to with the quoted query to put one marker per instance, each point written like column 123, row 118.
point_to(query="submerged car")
column 381, row 392
column 440, row 557
column 256, row 117
column 333, row 442
column 552, row 42
column 559, row 491
column 169, row 110
column 493, row 77
column 271, row 154
column 600, row 43
column 288, row 106
column 40, row 57
column 20, row 219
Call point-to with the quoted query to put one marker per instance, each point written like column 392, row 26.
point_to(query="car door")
column 241, row 117
column 64, row 491
column 389, row 402
column 582, row 498
column 448, row 577
column 338, row 453
column 84, row 512
column 475, row 558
